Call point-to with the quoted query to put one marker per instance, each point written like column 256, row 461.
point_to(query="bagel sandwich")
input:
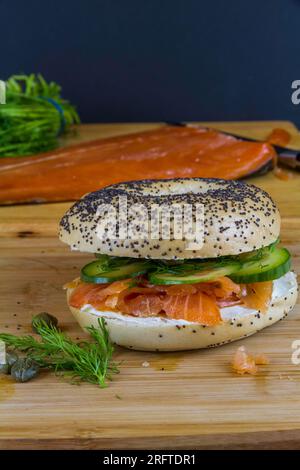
column 166, row 287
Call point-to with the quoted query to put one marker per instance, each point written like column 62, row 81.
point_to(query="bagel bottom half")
column 161, row 334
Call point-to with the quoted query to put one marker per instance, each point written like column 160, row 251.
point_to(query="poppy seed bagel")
column 238, row 218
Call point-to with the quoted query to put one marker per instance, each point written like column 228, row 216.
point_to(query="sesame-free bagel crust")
column 238, row 218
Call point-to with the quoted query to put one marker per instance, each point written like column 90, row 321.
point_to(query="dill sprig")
column 29, row 121
column 110, row 263
column 88, row 361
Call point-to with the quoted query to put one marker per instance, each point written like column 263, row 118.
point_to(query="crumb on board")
column 145, row 364
column 245, row 363
column 286, row 377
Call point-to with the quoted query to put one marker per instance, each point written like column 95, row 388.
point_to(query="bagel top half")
column 238, row 218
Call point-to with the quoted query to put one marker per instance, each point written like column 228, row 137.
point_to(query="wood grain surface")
column 182, row 400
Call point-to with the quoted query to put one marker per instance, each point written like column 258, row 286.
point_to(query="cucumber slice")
column 272, row 265
column 99, row 272
column 207, row 273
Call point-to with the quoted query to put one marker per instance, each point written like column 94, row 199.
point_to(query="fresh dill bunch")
column 34, row 116
column 88, row 361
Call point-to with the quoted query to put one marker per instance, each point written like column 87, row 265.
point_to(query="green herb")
column 274, row 244
column 89, row 361
column 34, row 116
column 46, row 317
column 111, row 263
column 11, row 358
column 184, row 267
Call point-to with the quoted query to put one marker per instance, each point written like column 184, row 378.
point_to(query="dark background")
column 149, row 60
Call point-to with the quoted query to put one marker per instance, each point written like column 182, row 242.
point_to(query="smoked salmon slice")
column 167, row 152
column 144, row 305
column 88, row 293
column 195, row 303
column 258, row 295
column 245, row 363
column 83, row 293
column 198, row 303
column 199, row 307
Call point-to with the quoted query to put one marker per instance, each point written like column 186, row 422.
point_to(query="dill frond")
column 88, row 361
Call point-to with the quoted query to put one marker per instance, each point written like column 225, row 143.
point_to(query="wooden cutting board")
column 182, row 400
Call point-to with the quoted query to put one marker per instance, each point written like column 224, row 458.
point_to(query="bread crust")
column 238, row 218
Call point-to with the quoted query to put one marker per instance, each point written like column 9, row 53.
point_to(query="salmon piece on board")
column 167, row 152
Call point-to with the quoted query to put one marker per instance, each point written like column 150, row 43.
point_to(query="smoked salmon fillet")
column 168, row 152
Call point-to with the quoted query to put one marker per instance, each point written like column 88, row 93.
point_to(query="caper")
column 24, row 369
column 4, row 369
column 11, row 358
column 45, row 317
